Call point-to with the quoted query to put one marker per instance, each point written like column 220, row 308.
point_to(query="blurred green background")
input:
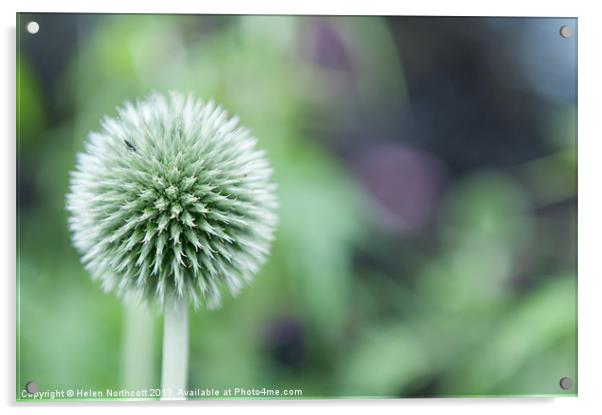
column 426, row 172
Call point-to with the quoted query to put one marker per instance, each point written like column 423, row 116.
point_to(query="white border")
column 374, row 7
column 590, row 201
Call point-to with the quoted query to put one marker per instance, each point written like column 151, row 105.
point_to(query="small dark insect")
column 130, row 146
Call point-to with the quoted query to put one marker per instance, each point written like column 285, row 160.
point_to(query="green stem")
column 175, row 349
column 138, row 342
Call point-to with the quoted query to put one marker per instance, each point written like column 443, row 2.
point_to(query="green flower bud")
column 172, row 198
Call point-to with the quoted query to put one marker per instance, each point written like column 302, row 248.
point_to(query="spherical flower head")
column 172, row 198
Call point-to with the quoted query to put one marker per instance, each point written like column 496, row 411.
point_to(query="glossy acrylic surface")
column 426, row 171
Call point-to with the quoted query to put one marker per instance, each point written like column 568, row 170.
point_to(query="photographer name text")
column 60, row 394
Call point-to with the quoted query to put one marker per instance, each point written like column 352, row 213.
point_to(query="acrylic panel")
column 295, row 207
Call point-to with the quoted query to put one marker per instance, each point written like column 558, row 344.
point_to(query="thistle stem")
column 175, row 349
column 138, row 346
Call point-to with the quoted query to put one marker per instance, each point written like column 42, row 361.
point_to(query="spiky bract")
column 172, row 198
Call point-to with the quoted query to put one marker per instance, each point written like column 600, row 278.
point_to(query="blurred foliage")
column 479, row 301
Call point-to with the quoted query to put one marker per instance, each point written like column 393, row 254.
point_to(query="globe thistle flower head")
column 172, row 198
